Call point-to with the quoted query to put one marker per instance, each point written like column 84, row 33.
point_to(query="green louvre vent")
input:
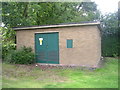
column 69, row 43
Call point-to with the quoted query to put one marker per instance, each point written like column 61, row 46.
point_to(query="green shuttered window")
column 69, row 43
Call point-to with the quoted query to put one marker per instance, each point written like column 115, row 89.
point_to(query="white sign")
column 40, row 40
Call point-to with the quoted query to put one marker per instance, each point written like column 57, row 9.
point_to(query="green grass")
column 23, row 76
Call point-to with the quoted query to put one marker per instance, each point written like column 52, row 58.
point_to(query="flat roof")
column 57, row 26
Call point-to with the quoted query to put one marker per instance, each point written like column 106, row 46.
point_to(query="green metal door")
column 47, row 48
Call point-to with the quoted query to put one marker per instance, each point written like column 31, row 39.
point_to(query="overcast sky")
column 107, row 6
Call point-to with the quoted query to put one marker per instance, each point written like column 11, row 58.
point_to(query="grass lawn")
column 26, row 76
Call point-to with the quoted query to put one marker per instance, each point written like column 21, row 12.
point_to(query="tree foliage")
column 42, row 13
column 110, row 44
column 110, row 23
column 8, row 40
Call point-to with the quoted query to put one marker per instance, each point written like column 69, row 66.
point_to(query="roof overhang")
column 58, row 26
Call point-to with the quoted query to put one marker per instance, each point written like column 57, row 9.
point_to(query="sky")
column 107, row 6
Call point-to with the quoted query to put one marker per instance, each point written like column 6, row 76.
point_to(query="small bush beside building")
column 24, row 55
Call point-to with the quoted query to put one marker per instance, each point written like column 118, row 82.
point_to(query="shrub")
column 7, row 40
column 6, row 48
column 21, row 56
column 110, row 46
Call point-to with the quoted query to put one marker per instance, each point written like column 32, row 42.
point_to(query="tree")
column 110, row 23
column 110, row 44
column 8, row 40
column 42, row 13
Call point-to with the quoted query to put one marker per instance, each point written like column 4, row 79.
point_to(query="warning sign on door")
column 40, row 40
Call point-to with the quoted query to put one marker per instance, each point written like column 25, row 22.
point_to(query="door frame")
column 46, row 33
